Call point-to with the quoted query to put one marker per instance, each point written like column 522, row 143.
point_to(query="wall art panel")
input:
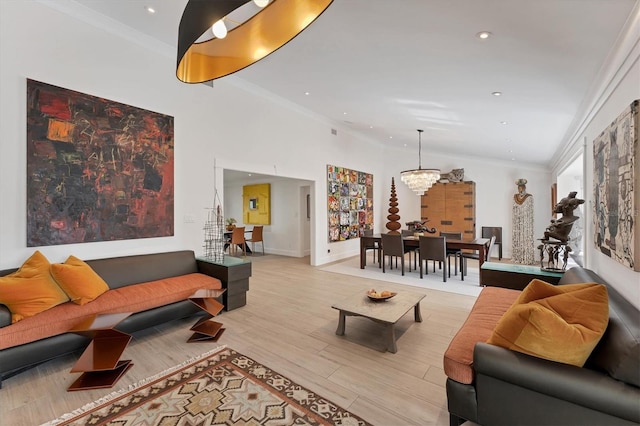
column 616, row 197
column 97, row 170
column 350, row 203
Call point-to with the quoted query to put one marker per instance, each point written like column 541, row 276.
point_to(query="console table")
column 234, row 274
column 513, row 276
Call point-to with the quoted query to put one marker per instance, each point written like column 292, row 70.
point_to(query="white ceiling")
column 388, row 67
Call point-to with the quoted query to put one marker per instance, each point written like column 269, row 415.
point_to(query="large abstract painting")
column 616, row 189
column 350, row 203
column 97, row 170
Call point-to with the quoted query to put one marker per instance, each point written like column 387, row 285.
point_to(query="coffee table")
column 100, row 362
column 387, row 312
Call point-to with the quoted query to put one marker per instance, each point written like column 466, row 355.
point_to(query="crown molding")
column 622, row 57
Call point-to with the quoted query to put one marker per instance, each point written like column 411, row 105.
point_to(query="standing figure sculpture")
column 522, row 242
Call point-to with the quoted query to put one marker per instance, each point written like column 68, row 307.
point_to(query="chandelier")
column 420, row 180
column 261, row 27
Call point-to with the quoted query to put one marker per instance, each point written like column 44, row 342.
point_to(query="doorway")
column 572, row 179
column 290, row 227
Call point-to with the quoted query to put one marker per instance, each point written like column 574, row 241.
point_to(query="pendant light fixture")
column 420, row 180
column 275, row 23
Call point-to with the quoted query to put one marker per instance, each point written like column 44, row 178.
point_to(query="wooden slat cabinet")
column 451, row 207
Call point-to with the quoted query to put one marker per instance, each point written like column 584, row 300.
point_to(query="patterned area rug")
column 222, row 387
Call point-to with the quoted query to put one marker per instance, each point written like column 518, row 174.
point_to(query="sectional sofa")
column 493, row 385
column 155, row 287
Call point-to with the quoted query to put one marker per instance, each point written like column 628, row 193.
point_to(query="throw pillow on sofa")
column 31, row 289
column 560, row 323
column 81, row 283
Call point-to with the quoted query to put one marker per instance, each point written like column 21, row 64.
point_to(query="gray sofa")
column 512, row 388
column 118, row 272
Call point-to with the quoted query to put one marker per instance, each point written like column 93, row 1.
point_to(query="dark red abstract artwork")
column 97, row 170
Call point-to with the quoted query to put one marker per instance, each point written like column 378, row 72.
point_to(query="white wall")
column 618, row 86
column 239, row 128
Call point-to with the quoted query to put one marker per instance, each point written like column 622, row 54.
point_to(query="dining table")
column 481, row 245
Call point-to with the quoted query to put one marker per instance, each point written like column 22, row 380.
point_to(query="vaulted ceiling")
column 386, row 68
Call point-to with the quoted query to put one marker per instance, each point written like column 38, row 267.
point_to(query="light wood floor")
column 288, row 324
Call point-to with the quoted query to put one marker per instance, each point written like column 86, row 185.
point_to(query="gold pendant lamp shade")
column 269, row 29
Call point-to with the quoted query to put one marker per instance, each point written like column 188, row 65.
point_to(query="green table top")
column 228, row 261
column 525, row 269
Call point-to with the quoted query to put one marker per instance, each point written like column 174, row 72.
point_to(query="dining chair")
column 476, row 256
column 256, row 237
column 407, row 233
column 373, row 246
column 433, row 248
column 393, row 246
column 456, row 253
column 488, row 232
column 237, row 239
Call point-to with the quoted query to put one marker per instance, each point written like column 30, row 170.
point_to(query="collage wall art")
column 350, row 203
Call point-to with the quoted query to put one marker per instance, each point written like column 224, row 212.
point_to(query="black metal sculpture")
column 556, row 236
column 417, row 226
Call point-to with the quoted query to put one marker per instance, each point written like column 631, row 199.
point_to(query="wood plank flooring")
column 288, row 324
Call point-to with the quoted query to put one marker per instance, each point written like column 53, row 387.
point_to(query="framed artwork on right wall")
column 616, row 189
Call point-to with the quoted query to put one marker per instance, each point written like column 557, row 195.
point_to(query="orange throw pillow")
column 81, row 283
column 561, row 323
column 31, row 289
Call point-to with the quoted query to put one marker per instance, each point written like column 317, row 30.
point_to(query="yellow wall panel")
column 256, row 204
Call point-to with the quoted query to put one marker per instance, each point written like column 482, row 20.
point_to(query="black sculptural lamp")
column 254, row 34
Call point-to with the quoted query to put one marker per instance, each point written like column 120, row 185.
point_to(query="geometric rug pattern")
column 222, row 387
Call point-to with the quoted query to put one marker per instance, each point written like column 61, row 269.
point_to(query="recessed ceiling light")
column 496, row 93
column 390, row 137
column 371, row 127
column 150, row 9
column 306, row 93
column 344, row 113
column 504, row 123
column 483, row 35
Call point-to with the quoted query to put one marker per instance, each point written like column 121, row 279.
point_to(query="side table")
column 205, row 329
column 100, row 363
column 234, row 274
column 513, row 276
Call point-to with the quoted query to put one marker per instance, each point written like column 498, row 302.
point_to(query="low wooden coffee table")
column 386, row 312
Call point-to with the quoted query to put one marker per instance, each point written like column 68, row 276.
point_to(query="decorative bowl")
column 377, row 298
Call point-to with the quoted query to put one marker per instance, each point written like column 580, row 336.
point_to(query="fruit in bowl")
column 378, row 295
